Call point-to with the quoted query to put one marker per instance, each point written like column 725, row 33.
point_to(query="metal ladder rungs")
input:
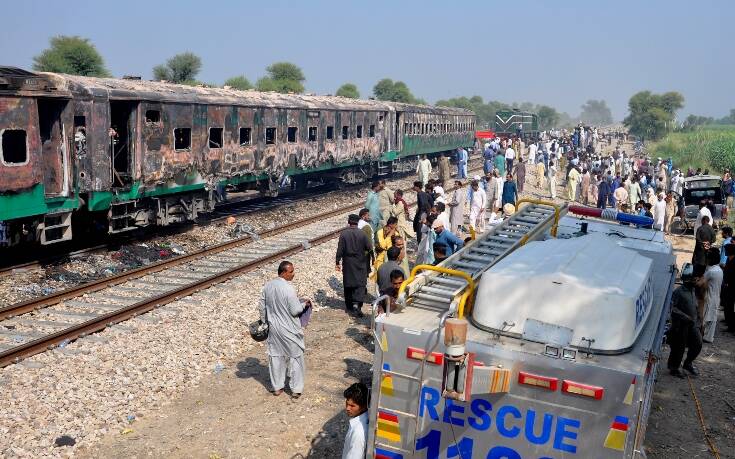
column 480, row 258
column 511, row 234
column 437, row 291
column 429, row 297
column 469, row 265
column 487, row 251
column 419, row 303
column 449, row 281
column 492, row 241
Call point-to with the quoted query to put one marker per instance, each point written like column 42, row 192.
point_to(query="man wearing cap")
column 353, row 250
column 446, row 238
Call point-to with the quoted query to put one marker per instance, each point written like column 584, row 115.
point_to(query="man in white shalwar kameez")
column 713, row 279
column 456, row 207
column 478, row 202
column 280, row 307
column 659, row 212
column 424, row 170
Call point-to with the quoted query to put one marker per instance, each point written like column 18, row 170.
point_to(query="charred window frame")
column 153, row 117
column 406, row 128
column 345, row 132
column 292, row 136
column 359, row 131
column 14, row 147
column 182, row 139
column 246, row 136
column 313, row 132
column 330, row 133
column 371, row 131
column 216, row 136
column 270, row 135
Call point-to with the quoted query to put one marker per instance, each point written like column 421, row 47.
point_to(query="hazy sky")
column 559, row 53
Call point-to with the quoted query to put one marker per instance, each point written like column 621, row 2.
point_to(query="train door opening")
column 53, row 146
column 122, row 128
column 398, row 135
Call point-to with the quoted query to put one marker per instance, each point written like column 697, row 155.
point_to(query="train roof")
column 63, row 85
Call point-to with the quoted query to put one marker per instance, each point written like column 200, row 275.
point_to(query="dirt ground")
column 231, row 414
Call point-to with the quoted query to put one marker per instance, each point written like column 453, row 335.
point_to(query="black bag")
column 259, row 330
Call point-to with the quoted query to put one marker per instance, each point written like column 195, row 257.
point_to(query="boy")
column 356, row 406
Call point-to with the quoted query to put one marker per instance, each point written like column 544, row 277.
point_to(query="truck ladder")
column 439, row 291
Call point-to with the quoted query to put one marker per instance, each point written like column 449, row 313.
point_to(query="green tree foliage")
column 283, row 77
column 394, row 91
column 548, row 117
column 182, row 68
column 596, row 113
column 348, row 90
column 71, row 55
column 652, row 115
column 239, row 82
column 727, row 119
column 693, row 122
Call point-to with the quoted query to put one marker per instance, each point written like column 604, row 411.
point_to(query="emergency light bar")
column 612, row 215
column 571, row 387
column 543, row 382
column 418, row 354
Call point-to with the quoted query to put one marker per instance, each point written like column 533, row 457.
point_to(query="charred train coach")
column 122, row 154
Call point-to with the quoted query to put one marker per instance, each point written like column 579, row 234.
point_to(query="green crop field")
column 711, row 147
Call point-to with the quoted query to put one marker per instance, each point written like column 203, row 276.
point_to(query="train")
column 81, row 154
column 516, row 122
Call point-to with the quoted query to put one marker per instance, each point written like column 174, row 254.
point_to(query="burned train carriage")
column 122, row 154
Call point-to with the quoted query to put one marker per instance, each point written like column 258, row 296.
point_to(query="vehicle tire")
column 678, row 227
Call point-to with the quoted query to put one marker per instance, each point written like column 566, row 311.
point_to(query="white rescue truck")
column 540, row 339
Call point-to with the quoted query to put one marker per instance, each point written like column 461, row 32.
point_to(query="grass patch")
column 711, row 147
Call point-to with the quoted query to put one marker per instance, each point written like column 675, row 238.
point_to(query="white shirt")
column 702, row 212
column 659, row 212
column 479, row 199
column 356, row 438
column 713, row 276
column 361, row 223
column 444, row 218
column 510, row 153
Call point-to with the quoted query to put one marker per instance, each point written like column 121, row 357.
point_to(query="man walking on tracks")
column 444, row 173
column 280, row 307
column 685, row 321
column 423, row 170
column 353, row 249
column 424, row 201
column 462, row 163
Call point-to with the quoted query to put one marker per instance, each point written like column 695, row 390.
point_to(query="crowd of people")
column 374, row 244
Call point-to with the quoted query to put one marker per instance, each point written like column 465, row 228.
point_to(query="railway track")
column 40, row 324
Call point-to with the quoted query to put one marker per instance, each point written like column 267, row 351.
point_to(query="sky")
column 560, row 53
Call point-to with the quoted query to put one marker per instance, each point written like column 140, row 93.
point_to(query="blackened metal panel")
column 98, row 145
column 82, row 157
column 213, row 157
column 21, row 113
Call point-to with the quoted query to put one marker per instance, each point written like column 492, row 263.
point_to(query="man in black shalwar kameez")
column 353, row 251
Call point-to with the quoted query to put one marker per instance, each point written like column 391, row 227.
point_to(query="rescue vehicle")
column 540, row 339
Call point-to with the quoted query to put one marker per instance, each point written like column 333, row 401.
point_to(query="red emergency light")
column 418, row 354
column 543, row 382
column 571, row 387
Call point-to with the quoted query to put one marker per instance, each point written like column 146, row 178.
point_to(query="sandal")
column 276, row 393
column 295, row 396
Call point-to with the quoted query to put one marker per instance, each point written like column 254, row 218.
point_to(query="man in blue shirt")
column 446, row 238
column 726, row 239
column 461, row 163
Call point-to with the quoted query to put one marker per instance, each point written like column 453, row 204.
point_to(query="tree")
column 283, row 77
column 596, row 112
column 239, row 82
column 548, row 117
column 348, row 90
column 652, row 115
column 182, row 68
column 71, row 55
column 387, row 89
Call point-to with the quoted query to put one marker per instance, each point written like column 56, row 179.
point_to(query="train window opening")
column 292, row 131
column 215, row 137
column 312, row 133
column 330, row 132
column 270, row 136
column 359, row 131
column 371, row 131
column 152, row 116
column 122, row 144
column 245, row 134
column 405, row 128
column 345, row 132
column 380, row 118
column 182, row 139
column 14, row 149
column 80, row 121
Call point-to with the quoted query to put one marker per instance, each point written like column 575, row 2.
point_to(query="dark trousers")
column 729, row 307
column 683, row 336
column 417, row 225
column 354, row 297
column 509, row 166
